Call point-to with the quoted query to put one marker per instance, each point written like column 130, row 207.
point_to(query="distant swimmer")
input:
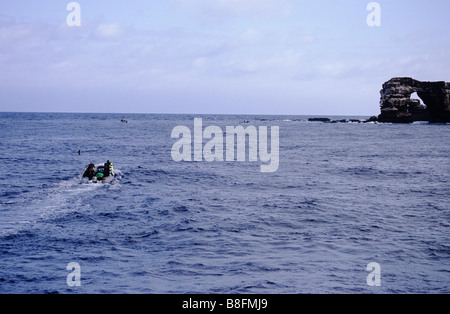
column 79, row 152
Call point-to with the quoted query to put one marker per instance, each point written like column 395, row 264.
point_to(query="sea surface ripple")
column 345, row 195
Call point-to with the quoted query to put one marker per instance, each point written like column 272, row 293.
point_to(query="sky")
column 290, row 57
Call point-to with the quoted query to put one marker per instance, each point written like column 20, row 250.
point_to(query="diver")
column 107, row 169
column 90, row 171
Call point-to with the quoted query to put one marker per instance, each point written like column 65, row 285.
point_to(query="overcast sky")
column 216, row 56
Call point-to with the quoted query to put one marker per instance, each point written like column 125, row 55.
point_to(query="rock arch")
column 397, row 105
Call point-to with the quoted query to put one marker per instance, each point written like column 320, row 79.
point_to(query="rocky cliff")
column 398, row 107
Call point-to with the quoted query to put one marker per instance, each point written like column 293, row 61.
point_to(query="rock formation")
column 398, row 107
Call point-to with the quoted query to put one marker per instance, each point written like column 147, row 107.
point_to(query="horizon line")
column 219, row 114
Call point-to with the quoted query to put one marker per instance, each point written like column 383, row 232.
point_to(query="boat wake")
column 26, row 210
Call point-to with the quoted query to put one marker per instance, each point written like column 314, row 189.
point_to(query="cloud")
column 209, row 49
column 109, row 31
column 237, row 8
column 251, row 36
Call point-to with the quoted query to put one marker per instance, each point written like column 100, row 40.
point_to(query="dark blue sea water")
column 345, row 195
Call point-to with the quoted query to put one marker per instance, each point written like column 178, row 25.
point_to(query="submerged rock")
column 372, row 119
column 319, row 120
column 328, row 120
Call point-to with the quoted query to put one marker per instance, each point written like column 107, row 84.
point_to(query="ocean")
column 345, row 195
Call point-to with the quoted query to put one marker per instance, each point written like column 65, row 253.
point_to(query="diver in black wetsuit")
column 107, row 170
column 90, row 172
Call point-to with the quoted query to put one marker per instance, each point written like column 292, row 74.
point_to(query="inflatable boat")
column 99, row 173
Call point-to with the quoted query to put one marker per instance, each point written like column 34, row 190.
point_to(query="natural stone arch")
column 398, row 106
